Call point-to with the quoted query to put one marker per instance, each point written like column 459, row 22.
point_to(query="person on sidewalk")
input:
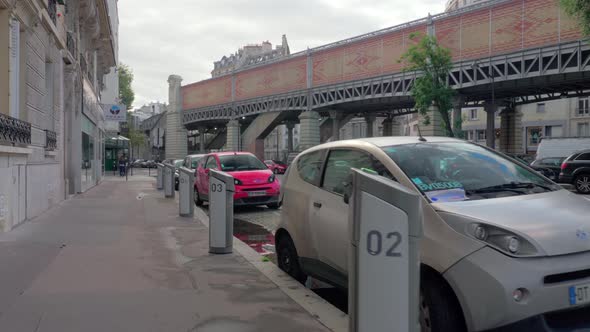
column 122, row 165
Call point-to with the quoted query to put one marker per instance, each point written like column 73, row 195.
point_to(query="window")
column 471, row 135
column 240, row 162
column 341, row 161
column 481, row 135
column 583, row 106
column 534, row 135
column 310, row 167
column 551, row 161
column 541, row 108
column 473, row 114
column 583, row 129
column 584, row 156
column 553, row 131
column 211, row 163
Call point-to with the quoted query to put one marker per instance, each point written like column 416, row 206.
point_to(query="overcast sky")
column 158, row 38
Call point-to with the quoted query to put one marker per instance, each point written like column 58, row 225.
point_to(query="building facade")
column 250, row 55
column 569, row 117
column 276, row 144
column 52, row 64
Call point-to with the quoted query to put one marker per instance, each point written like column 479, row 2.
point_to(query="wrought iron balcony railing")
column 71, row 45
column 14, row 131
column 50, row 140
column 52, row 9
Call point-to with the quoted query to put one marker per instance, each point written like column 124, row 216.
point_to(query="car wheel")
column 273, row 206
column 198, row 201
column 439, row 308
column 582, row 183
column 288, row 260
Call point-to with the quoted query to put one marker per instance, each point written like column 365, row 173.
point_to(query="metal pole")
column 277, row 143
column 125, row 171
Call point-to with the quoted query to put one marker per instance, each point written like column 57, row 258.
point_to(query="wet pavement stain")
column 255, row 236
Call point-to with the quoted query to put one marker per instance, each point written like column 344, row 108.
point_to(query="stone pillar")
column 201, row 139
column 435, row 127
column 309, row 123
column 490, row 110
column 370, row 119
column 290, row 125
column 176, row 134
column 335, row 116
column 511, row 131
column 457, row 116
column 232, row 142
column 387, row 126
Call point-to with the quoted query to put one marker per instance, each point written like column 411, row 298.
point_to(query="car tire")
column 582, row 183
column 439, row 308
column 287, row 258
column 198, row 201
column 273, row 206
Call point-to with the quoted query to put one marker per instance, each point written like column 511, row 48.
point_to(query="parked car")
column 549, row 167
column 137, row 163
column 502, row 245
column 192, row 161
column 575, row 169
column 150, row 164
column 277, row 167
column 254, row 183
column 561, row 146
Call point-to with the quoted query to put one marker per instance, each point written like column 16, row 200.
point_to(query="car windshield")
column 459, row 171
column 240, row 162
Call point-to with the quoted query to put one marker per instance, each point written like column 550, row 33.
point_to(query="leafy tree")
column 579, row 9
column 434, row 62
column 126, row 94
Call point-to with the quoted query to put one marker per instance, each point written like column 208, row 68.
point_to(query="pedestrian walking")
column 122, row 165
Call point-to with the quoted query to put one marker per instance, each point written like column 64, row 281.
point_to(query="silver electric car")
column 504, row 248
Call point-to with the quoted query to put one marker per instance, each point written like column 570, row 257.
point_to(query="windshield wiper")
column 512, row 186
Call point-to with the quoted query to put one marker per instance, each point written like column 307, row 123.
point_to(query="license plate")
column 579, row 294
column 256, row 193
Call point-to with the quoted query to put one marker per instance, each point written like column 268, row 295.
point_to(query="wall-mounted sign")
column 117, row 113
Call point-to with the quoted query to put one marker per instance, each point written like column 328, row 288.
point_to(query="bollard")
column 221, row 212
column 186, row 205
column 169, row 181
column 160, row 177
column 385, row 220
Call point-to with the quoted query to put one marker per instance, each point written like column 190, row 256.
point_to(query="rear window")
column 584, row 156
column 240, row 162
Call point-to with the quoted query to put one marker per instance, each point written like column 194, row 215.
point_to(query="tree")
column 430, row 89
column 579, row 9
column 126, row 94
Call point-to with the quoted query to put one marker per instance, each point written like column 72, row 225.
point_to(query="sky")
column 184, row 37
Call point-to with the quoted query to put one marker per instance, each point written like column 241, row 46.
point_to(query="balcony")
column 52, row 9
column 50, row 140
column 14, row 132
column 72, row 48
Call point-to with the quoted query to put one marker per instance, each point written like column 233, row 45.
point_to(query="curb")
column 328, row 315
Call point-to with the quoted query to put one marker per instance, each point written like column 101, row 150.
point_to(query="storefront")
column 115, row 147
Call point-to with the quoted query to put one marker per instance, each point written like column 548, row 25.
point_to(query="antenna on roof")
column 420, row 138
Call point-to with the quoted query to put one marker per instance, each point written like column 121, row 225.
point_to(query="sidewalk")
column 118, row 258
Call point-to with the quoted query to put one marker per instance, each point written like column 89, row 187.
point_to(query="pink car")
column 255, row 183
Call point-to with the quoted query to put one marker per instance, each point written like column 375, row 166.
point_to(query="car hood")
column 252, row 177
column 558, row 222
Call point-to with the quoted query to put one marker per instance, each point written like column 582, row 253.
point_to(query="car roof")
column 385, row 141
column 229, row 153
column 196, row 155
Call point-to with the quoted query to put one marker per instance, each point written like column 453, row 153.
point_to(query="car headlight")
column 271, row 179
column 237, row 182
column 501, row 239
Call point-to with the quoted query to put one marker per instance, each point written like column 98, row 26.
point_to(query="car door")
column 210, row 164
column 330, row 218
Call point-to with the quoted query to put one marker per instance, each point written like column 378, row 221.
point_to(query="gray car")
column 503, row 246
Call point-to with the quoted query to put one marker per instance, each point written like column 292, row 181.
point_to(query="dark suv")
column 575, row 169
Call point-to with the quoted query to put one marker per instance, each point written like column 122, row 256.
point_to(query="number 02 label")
column 375, row 243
